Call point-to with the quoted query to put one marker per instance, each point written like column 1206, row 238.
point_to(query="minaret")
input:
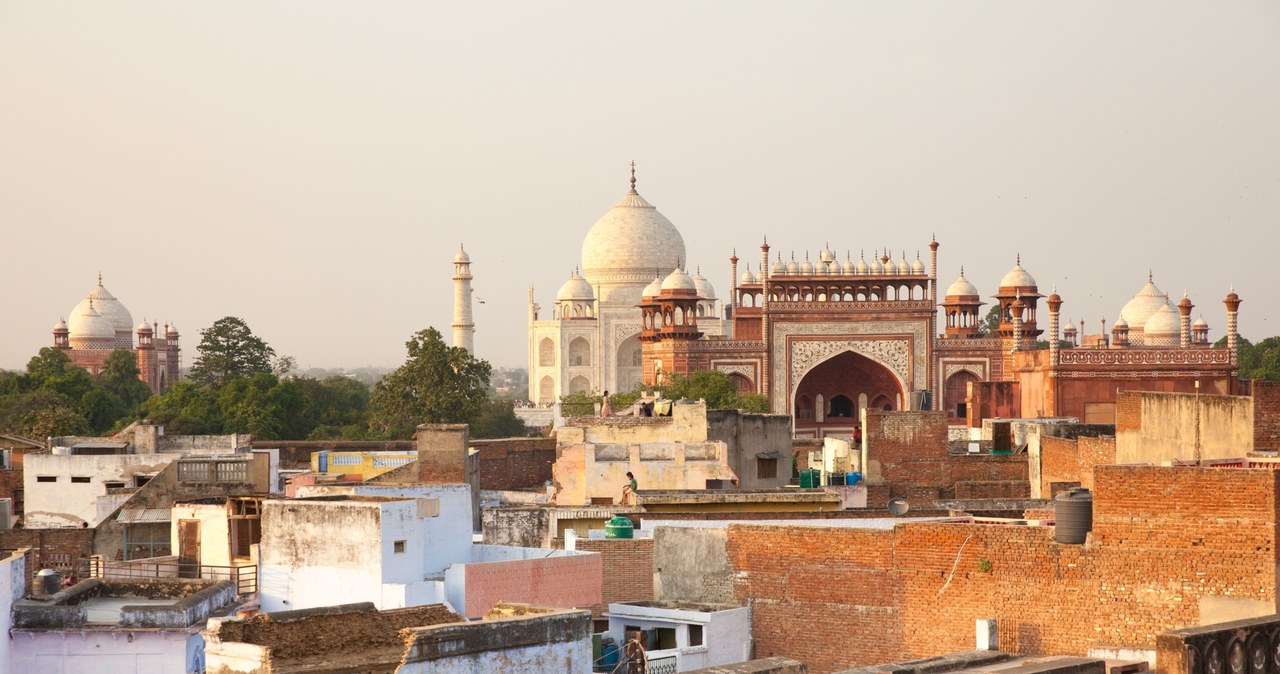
column 1184, row 314
column 1055, row 305
column 1233, row 310
column 464, row 329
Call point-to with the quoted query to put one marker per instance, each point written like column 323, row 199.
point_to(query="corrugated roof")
column 143, row 515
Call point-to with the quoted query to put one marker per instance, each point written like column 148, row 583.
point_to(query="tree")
column 119, row 377
column 497, row 419
column 437, row 384
column 229, row 349
column 52, row 370
column 1257, row 361
column 991, row 322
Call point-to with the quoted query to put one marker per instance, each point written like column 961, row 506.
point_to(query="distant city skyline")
column 312, row 168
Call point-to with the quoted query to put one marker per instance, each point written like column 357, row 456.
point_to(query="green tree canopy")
column 1257, row 361
column 991, row 322
column 437, row 384
column 229, row 349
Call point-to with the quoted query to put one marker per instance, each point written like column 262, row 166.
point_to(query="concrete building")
column 418, row 640
column 408, row 545
column 689, row 635
column 117, row 627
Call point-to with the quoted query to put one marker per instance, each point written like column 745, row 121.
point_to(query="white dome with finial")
column 961, row 287
column 848, row 268
column 1200, row 323
column 106, row 306
column 1017, row 277
column 60, row 325
column 462, row 256
column 627, row 243
column 575, row 289
column 90, row 329
column 1163, row 328
column 1120, row 323
column 806, row 267
column 703, row 286
column 1144, row 304
column 779, row 267
column 679, row 280
column 747, row 277
column 917, row 267
column 793, row 267
column 653, row 289
column 862, row 267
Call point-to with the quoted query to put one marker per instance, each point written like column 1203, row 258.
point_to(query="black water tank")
column 1073, row 511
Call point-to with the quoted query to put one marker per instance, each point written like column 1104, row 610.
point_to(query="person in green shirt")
column 629, row 489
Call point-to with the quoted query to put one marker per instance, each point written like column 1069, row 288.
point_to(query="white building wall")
column 319, row 553
column 64, row 503
column 571, row 658
column 215, row 533
column 13, row 577
column 107, row 652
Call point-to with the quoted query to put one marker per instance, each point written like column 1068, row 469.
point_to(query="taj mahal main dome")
column 629, row 244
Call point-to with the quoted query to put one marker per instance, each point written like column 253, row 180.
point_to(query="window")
column 46, row 478
column 766, row 469
column 79, row 479
column 662, row 638
column 114, row 484
column 695, row 635
column 398, row 547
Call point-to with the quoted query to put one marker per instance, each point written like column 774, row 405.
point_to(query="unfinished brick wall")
column 1171, row 547
column 1093, row 452
column 909, row 451
column 1128, row 411
column 827, row 597
column 515, row 463
column 1059, row 463
column 59, row 549
column 628, row 570
column 1266, row 414
column 11, row 487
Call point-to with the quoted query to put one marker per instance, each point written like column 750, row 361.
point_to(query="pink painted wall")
column 560, row 582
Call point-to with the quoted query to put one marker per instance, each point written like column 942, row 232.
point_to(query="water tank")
column 619, row 527
column 810, row 478
column 48, row 581
column 1073, row 511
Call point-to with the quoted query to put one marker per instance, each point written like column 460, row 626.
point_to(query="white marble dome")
column 108, row 307
column 917, row 267
column 630, row 241
column 703, row 286
column 747, row 277
column 1017, row 278
column 654, row 288
column 678, row 280
column 862, row 267
column 848, row 269
column 1121, row 323
column 1138, row 310
column 575, row 289
column 961, row 287
column 461, row 257
column 1163, row 328
column 90, row 329
column 1200, row 323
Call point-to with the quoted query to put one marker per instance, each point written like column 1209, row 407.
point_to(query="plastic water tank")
column 1073, row 511
column 619, row 527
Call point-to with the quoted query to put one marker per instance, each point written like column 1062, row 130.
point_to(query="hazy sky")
column 312, row 166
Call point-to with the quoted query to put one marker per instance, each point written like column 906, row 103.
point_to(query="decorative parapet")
column 1145, row 357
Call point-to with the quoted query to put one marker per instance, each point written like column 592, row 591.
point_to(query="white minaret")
column 464, row 329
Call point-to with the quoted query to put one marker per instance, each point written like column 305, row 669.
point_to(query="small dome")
column 678, row 280
column 654, row 288
column 1164, row 322
column 876, row 267
column 1200, row 323
column 60, row 325
column 806, row 267
column 461, row 257
column 1120, row 323
column 848, row 268
column 904, row 267
column 961, row 287
column 703, row 286
column 143, row 327
column 89, row 324
column 861, row 267
column 917, row 267
column 826, row 255
column 779, row 268
column 1017, row 278
column 793, row 267
column 1138, row 310
column 575, row 289
column 747, row 277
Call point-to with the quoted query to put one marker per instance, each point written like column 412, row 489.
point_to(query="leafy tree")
column 497, row 419
column 187, row 408
column 717, row 389
column 119, row 377
column 52, row 370
column 229, row 349
column 991, row 322
column 41, row 414
column 1257, row 361
column 437, row 384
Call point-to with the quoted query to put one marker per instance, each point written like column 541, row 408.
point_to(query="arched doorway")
column 955, row 393
column 630, row 362
column 741, row 382
column 840, row 381
column 546, row 391
column 579, row 385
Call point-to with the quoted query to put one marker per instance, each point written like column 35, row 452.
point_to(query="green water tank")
column 619, row 527
column 810, row 479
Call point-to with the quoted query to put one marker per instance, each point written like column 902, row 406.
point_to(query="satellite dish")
column 898, row 507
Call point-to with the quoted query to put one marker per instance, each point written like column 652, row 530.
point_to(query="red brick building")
column 100, row 324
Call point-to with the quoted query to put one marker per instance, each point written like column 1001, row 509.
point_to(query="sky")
column 312, row 167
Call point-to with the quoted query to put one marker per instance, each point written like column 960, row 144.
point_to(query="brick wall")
column 1128, row 412
column 1266, row 414
column 910, row 452
column 628, row 570
column 514, row 463
column 1059, row 462
column 1095, row 451
column 1171, row 547
column 60, row 549
column 11, row 487
column 827, row 597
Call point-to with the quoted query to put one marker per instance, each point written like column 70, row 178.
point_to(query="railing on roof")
column 97, row 566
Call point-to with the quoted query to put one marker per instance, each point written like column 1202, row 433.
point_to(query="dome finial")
column 961, row 271
column 1018, row 260
column 99, row 279
column 633, row 176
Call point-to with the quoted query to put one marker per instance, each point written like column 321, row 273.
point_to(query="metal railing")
column 244, row 577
